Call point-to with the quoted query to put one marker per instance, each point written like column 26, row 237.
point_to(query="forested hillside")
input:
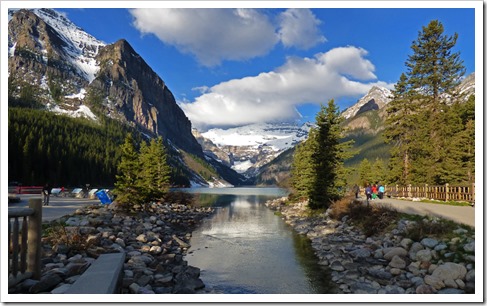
column 68, row 151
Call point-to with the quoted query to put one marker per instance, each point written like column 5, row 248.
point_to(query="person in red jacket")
column 374, row 191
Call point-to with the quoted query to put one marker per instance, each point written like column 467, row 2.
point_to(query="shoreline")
column 389, row 264
column 155, row 244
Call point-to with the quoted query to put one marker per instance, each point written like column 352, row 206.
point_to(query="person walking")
column 46, row 192
column 356, row 190
column 382, row 190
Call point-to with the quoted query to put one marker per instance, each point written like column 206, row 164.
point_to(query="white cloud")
column 299, row 28
column 274, row 95
column 212, row 35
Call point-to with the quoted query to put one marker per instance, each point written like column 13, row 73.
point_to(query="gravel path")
column 459, row 214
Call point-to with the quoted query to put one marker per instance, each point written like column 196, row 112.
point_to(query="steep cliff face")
column 63, row 69
column 139, row 95
column 38, row 55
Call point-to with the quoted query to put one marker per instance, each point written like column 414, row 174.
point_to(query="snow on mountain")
column 277, row 136
column 81, row 47
column 250, row 147
column 376, row 98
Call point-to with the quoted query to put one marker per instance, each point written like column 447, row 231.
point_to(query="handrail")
column 29, row 249
column 445, row 192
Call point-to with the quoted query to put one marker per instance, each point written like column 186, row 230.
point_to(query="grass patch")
column 370, row 219
column 425, row 226
column 453, row 203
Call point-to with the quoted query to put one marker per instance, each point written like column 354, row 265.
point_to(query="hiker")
column 374, row 191
column 368, row 192
column 356, row 190
column 46, row 192
column 382, row 190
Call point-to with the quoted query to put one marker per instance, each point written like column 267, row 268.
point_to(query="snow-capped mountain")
column 55, row 65
column 249, row 147
column 79, row 47
column 376, row 98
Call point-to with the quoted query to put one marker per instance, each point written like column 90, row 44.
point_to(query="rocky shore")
column 155, row 244
column 391, row 263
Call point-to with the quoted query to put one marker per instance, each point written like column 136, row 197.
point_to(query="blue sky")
column 230, row 67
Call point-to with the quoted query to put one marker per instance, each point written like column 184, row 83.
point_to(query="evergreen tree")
column 303, row 167
column 155, row 173
column 365, row 172
column 418, row 122
column 127, row 186
column 328, row 157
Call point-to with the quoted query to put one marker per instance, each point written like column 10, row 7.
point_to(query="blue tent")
column 103, row 197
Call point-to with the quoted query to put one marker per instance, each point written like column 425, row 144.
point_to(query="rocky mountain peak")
column 375, row 99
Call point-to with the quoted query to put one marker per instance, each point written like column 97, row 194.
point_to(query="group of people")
column 371, row 192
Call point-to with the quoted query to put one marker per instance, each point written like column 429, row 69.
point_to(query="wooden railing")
column 434, row 192
column 24, row 241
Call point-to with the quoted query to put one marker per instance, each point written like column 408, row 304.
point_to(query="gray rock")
column 46, row 283
column 406, row 243
column 396, row 251
column 337, row 266
column 397, row 262
column 429, row 242
column 470, row 276
column 362, row 288
column 380, row 273
column 424, row 255
column 425, row 289
column 434, row 282
column 469, row 247
column 450, row 270
column 361, row 253
column 415, row 247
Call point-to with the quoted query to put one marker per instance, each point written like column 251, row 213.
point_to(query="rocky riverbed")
column 155, row 244
column 390, row 263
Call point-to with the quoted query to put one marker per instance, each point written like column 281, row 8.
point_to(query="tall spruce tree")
column 154, row 175
column 303, row 168
column 127, row 188
column 417, row 125
column 317, row 172
column 328, row 158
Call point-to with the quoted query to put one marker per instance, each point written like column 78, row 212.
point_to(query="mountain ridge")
column 86, row 77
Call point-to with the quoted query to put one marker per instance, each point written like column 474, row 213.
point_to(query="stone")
column 469, row 247
column 360, row 253
column 120, row 242
column 434, row 282
column 46, row 283
column 424, row 289
column 424, row 255
column 470, row 276
column 397, row 262
column 429, row 242
column 362, row 288
column 450, row 270
column 142, row 238
column 415, row 247
column 460, row 284
column 406, row 243
column 397, row 251
column 337, row 266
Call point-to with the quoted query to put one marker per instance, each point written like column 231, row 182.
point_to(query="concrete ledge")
column 102, row 277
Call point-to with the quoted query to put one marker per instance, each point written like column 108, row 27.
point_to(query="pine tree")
column 154, row 178
column 328, row 158
column 365, row 172
column 303, row 167
column 417, row 126
column 127, row 188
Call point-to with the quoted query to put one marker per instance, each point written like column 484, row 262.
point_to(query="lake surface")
column 245, row 248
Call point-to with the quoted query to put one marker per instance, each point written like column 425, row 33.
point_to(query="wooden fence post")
column 473, row 192
column 34, row 239
column 446, row 191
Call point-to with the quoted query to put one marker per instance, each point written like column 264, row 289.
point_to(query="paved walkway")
column 459, row 214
